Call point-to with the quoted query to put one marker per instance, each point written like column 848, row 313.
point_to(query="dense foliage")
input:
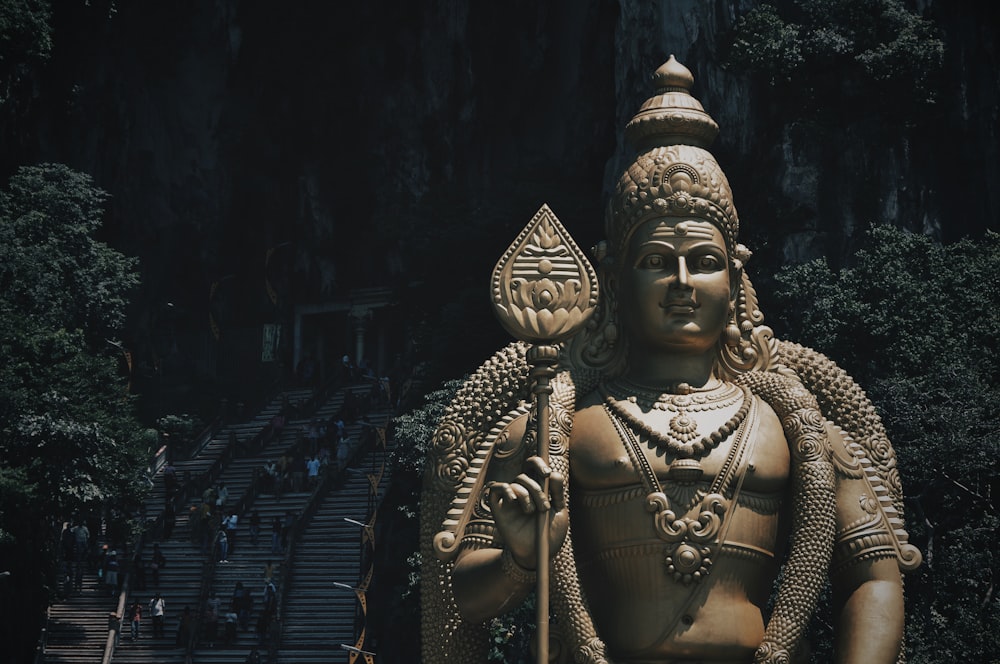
column 25, row 41
column 414, row 429
column 837, row 54
column 918, row 325
column 69, row 445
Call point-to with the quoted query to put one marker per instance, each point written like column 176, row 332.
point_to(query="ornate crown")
column 674, row 174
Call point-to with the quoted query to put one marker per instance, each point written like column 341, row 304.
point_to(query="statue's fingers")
column 535, row 497
column 537, row 468
column 557, row 490
column 499, row 494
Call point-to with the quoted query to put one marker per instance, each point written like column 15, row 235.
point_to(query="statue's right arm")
column 493, row 580
column 865, row 578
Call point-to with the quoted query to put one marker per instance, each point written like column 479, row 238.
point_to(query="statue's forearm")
column 486, row 585
column 870, row 620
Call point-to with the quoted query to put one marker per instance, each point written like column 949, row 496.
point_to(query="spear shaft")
column 542, row 359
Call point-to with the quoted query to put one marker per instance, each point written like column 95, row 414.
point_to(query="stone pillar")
column 361, row 317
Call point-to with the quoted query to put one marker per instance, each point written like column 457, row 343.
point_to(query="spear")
column 544, row 289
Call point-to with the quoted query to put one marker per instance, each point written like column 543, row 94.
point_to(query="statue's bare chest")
column 601, row 458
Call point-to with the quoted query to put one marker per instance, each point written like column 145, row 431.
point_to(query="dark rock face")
column 404, row 144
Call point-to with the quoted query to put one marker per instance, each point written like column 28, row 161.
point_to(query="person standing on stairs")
column 312, row 470
column 230, row 523
column 286, row 528
column 298, row 468
column 184, row 628
column 111, row 572
column 135, row 616
column 169, row 519
column 139, row 572
column 268, row 572
column 222, row 546
column 221, row 496
column 157, row 608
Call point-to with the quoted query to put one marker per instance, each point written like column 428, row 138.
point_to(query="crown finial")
column 672, row 116
column 673, row 76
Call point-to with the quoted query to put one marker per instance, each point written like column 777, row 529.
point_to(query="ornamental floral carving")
column 544, row 288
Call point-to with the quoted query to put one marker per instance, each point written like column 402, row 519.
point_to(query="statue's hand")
column 515, row 507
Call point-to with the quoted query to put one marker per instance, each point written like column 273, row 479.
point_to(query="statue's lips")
column 680, row 306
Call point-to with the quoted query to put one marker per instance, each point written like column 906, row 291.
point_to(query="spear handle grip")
column 542, row 359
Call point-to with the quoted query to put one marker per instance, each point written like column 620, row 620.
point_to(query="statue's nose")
column 683, row 276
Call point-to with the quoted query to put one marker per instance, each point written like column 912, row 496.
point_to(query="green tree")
column 412, row 431
column 25, row 41
column 825, row 56
column 918, row 325
column 69, row 443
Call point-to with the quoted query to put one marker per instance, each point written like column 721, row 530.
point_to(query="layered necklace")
column 691, row 542
column 681, row 438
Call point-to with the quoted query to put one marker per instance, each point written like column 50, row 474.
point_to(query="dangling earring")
column 732, row 334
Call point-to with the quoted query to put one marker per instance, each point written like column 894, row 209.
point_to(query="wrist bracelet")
column 513, row 570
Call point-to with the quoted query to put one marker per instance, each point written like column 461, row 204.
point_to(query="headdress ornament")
column 674, row 174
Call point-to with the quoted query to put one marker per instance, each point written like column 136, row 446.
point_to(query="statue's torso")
column 640, row 609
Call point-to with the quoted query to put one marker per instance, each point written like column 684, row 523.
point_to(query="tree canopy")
column 69, row 445
column 829, row 55
column 918, row 325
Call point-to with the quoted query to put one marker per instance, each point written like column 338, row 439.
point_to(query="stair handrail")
column 207, row 573
column 241, row 507
column 244, row 503
column 117, row 618
column 302, row 521
column 316, row 497
column 199, row 442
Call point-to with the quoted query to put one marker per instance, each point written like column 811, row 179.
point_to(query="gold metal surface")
column 691, row 451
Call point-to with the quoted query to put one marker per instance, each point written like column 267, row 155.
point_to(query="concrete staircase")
column 77, row 627
column 318, row 615
column 180, row 581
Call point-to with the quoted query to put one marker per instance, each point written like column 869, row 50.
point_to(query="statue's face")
column 673, row 286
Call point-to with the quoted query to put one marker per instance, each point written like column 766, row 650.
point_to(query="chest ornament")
column 681, row 439
column 692, row 542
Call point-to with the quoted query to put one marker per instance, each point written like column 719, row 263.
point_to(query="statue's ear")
column 735, row 282
column 737, row 262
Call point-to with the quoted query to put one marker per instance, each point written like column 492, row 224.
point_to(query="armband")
column 514, row 571
column 865, row 539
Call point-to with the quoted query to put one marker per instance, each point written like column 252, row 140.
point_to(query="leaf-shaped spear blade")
column 543, row 289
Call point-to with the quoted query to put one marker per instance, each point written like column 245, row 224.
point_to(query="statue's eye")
column 654, row 262
column 707, row 263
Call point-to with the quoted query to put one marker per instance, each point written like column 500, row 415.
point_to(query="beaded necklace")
column 681, row 438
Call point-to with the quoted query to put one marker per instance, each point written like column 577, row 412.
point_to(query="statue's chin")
column 684, row 337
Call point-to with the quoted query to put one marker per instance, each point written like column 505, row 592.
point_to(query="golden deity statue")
column 700, row 480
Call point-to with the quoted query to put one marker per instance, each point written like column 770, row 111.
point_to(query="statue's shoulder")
column 861, row 446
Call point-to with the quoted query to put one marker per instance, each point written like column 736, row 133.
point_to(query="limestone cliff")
column 404, row 143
